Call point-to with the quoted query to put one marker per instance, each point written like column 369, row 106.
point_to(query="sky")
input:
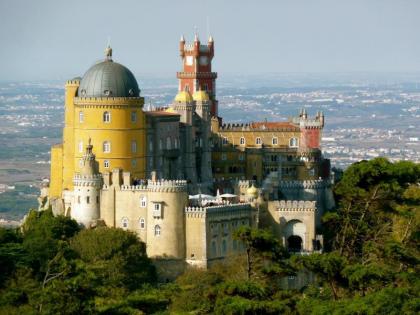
column 57, row 40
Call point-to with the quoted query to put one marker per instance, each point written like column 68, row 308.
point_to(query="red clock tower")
column 196, row 73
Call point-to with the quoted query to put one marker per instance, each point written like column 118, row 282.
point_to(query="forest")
column 369, row 264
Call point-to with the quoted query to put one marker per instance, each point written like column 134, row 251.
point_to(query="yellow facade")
column 119, row 139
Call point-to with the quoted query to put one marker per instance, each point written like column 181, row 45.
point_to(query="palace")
column 180, row 177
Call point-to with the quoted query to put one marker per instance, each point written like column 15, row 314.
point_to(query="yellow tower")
column 104, row 106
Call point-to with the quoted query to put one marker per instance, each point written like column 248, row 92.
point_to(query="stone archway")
column 295, row 234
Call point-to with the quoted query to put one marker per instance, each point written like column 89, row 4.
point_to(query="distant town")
column 364, row 119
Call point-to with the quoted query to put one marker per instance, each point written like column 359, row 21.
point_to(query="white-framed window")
column 242, row 141
column 124, row 223
column 142, row 223
column 258, row 141
column 224, row 140
column 293, row 143
column 81, row 117
column 275, row 141
column 224, row 157
column 157, row 210
column 80, row 146
column 168, row 143
column 133, row 162
column 106, row 117
column 143, row 202
column 133, row 116
column 157, row 230
column 106, row 164
column 106, row 147
column 133, row 146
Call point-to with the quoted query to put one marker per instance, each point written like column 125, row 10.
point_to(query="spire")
column 211, row 39
column 182, row 38
column 196, row 39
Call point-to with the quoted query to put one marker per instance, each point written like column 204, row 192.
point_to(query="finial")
column 108, row 51
column 211, row 39
column 182, row 38
column 196, row 34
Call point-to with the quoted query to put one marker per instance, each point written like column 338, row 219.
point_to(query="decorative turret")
column 87, row 184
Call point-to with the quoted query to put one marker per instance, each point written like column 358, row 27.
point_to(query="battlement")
column 75, row 81
column 244, row 183
column 260, row 126
column 305, row 184
column 295, row 205
column 93, row 180
column 133, row 187
column 163, row 185
column 217, row 209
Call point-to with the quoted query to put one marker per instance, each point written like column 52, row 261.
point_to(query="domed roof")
column 183, row 97
column 252, row 191
column 201, row 96
column 108, row 79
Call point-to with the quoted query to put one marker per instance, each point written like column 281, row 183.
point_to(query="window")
column 258, row 141
column 275, row 141
column 157, row 230
column 133, row 116
column 81, row 146
column 224, row 247
column 106, row 117
column 142, row 223
column 241, row 157
column 78, row 199
column 213, row 249
column 274, row 158
column 223, row 156
column 157, row 210
column 160, row 144
column 106, row 164
column 242, row 141
column 81, row 117
column 97, row 199
column 133, row 146
column 106, row 146
column 143, row 201
column 124, row 223
column 176, row 143
column 187, row 88
column 133, row 162
column 151, row 145
column 87, row 199
column 168, row 143
column 205, row 87
column 225, row 140
column 293, row 143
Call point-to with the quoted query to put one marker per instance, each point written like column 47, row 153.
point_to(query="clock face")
column 189, row 60
column 204, row 61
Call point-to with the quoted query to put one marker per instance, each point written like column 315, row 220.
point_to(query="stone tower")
column 87, row 185
column 196, row 73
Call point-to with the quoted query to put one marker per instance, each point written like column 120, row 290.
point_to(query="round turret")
column 252, row 192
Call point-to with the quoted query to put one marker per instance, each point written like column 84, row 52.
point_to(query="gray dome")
column 108, row 79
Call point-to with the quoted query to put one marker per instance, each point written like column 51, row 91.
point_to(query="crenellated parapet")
column 93, row 180
column 288, row 127
column 305, row 184
column 222, row 210
column 295, row 205
column 108, row 101
column 243, row 183
column 133, row 187
column 177, row 185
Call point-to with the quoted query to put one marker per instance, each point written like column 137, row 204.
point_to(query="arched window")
column 142, row 223
column 81, row 117
column 143, row 202
column 106, row 164
column 168, row 143
column 106, row 146
column 293, row 143
column 133, row 116
column 134, row 146
column 157, row 230
column 225, row 140
column 80, row 146
column 242, row 141
column 106, row 117
column 224, row 247
column 124, row 223
column 258, row 141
